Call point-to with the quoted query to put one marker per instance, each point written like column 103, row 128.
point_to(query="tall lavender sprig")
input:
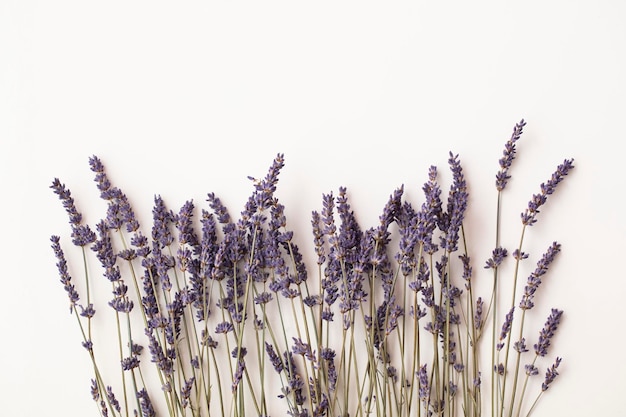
column 66, row 279
column 534, row 280
column 457, row 204
column 508, row 155
column 548, row 331
column 82, row 235
column 529, row 216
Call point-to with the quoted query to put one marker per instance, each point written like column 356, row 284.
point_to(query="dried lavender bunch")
column 232, row 319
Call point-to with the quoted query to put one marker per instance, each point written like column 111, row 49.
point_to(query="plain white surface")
column 185, row 99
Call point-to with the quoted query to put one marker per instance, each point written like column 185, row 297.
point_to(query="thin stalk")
column 517, row 365
column 508, row 341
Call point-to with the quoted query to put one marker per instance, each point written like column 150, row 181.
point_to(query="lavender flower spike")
column 541, row 347
column 529, row 217
column 497, row 256
column 66, row 280
column 508, row 155
column 457, row 204
column 534, row 280
column 551, row 375
column 506, row 328
column 82, row 235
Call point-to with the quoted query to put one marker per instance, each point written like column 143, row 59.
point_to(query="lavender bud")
column 508, row 155
column 534, row 280
column 529, row 217
column 546, row 334
column 496, row 259
column 506, row 326
column 551, row 375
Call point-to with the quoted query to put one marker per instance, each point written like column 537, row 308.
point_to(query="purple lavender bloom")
column 95, row 392
column 263, row 298
column 408, row 230
column 350, row 233
column 66, row 279
column 186, row 234
column 241, row 366
column 531, row 370
column 390, row 213
column 68, row 202
column 499, row 369
column 520, row 345
column 136, row 349
column 392, row 373
column 506, row 326
column 185, row 261
column 534, row 280
column 239, row 352
column 119, row 211
column 140, row 242
column 497, row 256
column 318, row 237
column 121, row 305
column 162, row 218
column 467, row 269
column 328, row 355
column 424, row 388
column 224, row 327
column 185, row 391
column 519, row 255
column 546, row 334
column 114, row 218
column 208, row 243
column 478, row 314
column 127, row 254
column 274, row 357
column 301, row 348
column 452, row 388
column 430, row 212
column 529, row 217
column 162, row 359
column 301, row 274
column 295, row 382
column 394, row 314
column 508, row 155
column 101, row 179
column 327, row 315
column 146, row 405
column 290, row 293
column 103, row 247
column 82, row 235
column 265, row 188
column 128, row 215
column 312, row 300
column 223, row 217
column 457, row 204
column 328, row 220
column 129, row 363
column 321, row 409
column 105, row 254
column 477, row 381
column 551, row 375
column 112, row 400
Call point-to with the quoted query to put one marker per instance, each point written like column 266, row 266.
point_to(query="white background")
column 185, row 98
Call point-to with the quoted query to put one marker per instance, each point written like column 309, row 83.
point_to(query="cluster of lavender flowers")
column 234, row 325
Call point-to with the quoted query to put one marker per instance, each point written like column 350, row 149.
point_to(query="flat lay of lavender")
column 220, row 315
